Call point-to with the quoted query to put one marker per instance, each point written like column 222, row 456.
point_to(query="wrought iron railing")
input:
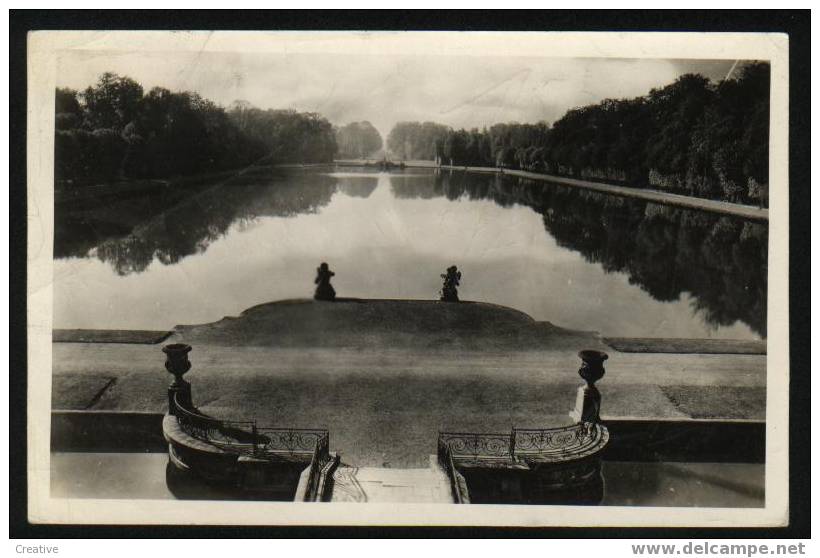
column 225, row 434
column 559, row 444
column 467, row 445
column 458, row 486
column 246, row 438
column 521, row 444
column 289, row 441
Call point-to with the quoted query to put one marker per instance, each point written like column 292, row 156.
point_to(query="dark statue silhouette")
column 324, row 290
column 452, row 279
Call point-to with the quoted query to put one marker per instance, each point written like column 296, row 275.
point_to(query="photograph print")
column 426, row 278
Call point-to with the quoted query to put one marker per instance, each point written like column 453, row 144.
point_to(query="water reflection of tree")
column 358, row 186
column 189, row 221
column 720, row 261
column 666, row 251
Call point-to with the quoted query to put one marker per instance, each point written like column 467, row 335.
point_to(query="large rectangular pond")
column 194, row 253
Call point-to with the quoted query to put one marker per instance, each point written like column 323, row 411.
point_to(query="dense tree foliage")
column 286, row 136
column 692, row 137
column 416, row 140
column 114, row 130
column 358, row 140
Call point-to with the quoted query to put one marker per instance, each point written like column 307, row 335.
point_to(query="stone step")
column 374, row 484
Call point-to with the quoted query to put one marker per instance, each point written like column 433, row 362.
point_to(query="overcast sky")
column 460, row 91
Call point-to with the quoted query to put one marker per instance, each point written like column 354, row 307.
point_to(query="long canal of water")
column 579, row 259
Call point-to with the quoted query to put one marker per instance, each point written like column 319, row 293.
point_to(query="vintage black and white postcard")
column 408, row 278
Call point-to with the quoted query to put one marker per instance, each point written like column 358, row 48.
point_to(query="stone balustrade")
column 258, row 459
column 547, row 461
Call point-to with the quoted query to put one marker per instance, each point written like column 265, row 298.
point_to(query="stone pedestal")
column 177, row 363
column 588, row 400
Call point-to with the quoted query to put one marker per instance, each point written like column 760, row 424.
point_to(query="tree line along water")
column 693, row 137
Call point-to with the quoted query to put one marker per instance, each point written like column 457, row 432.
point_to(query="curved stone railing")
column 545, row 445
column 244, row 437
column 237, row 436
column 557, row 445
column 262, row 460
column 528, row 465
column 535, row 464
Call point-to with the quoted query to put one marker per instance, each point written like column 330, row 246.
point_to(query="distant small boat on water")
column 386, row 165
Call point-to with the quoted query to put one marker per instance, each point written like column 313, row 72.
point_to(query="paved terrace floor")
column 385, row 376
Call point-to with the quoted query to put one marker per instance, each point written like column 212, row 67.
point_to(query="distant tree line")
column 691, row 137
column 113, row 130
column 358, row 140
column 416, row 140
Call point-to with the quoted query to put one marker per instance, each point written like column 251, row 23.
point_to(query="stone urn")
column 592, row 365
column 588, row 402
column 177, row 363
column 176, row 360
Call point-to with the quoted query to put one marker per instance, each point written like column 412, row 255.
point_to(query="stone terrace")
column 384, row 376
